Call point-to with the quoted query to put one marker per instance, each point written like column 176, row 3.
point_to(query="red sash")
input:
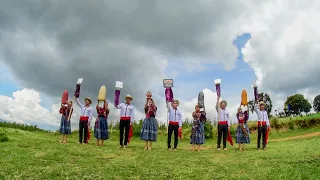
column 125, row 118
column 84, row 118
column 173, row 123
column 263, row 123
column 222, row 122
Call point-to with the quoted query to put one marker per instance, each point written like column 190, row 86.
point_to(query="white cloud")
column 284, row 49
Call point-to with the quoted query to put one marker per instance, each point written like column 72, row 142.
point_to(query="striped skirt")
column 65, row 127
column 101, row 128
column 240, row 137
column 197, row 135
column 149, row 129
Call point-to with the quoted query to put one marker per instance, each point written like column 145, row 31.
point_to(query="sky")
column 46, row 46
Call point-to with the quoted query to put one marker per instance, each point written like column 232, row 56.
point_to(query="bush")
column 3, row 136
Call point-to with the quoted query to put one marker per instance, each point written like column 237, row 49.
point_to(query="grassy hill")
column 38, row 155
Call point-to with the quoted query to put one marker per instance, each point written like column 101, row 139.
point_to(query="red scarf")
column 229, row 138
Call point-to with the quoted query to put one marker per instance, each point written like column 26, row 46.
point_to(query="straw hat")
column 129, row 97
column 176, row 101
column 223, row 101
column 262, row 103
column 87, row 98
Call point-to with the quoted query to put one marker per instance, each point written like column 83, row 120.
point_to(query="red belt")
column 223, row 122
column 173, row 123
column 125, row 118
column 263, row 123
column 84, row 118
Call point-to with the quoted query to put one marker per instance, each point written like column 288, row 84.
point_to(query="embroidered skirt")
column 149, row 129
column 65, row 127
column 101, row 128
column 240, row 137
column 197, row 135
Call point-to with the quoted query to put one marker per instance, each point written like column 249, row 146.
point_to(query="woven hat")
column 262, row 103
column 87, row 98
column 176, row 101
column 223, row 101
column 129, row 97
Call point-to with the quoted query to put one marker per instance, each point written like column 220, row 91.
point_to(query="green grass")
column 38, row 155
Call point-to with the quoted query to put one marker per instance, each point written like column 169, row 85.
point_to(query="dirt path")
column 297, row 137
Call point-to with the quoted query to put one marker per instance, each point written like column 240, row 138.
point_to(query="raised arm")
column 256, row 110
column 217, row 105
column 118, row 106
column 79, row 103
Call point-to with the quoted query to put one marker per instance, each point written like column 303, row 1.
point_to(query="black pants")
column 262, row 131
column 83, row 129
column 222, row 130
column 124, row 125
column 173, row 128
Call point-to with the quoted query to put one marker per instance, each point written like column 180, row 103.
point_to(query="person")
column 263, row 125
column 126, row 120
column 85, row 119
column 65, row 126
column 223, row 123
column 242, row 133
column 175, row 123
column 149, row 129
column 197, row 133
column 101, row 125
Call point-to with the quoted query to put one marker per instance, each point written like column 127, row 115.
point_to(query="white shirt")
column 175, row 115
column 262, row 115
column 85, row 111
column 126, row 110
column 224, row 114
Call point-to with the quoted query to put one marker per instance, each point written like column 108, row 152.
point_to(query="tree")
column 296, row 104
column 316, row 103
column 262, row 97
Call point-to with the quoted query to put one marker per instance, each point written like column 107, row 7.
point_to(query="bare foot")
column 149, row 148
column 120, row 147
column 61, row 141
column 124, row 147
column 145, row 148
column 198, row 150
column 175, row 149
column 169, row 149
column 225, row 149
column 218, row 149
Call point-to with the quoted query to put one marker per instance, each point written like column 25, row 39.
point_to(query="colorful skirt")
column 240, row 137
column 101, row 128
column 65, row 127
column 197, row 135
column 149, row 129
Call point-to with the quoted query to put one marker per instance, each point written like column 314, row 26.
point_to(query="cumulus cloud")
column 284, row 48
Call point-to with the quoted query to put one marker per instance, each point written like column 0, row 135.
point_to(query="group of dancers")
column 149, row 129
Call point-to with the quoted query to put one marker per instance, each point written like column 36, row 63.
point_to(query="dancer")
column 85, row 119
column 65, row 127
column 197, row 134
column 149, row 129
column 175, row 123
column 101, row 125
column 126, row 118
column 223, row 123
column 242, row 135
column 263, row 125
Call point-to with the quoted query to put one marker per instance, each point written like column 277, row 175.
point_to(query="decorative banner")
column 217, row 82
column 119, row 85
column 65, row 95
column 76, row 95
column 201, row 101
column 102, row 96
column 244, row 98
column 255, row 90
column 168, row 83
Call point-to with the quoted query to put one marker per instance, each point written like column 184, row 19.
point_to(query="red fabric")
column 173, row 123
column 130, row 134
column 125, row 118
column 241, row 121
column 229, row 138
column 223, row 122
column 263, row 123
column 180, row 133
column 267, row 136
column 84, row 118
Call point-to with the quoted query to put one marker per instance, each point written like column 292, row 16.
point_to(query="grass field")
column 38, row 155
